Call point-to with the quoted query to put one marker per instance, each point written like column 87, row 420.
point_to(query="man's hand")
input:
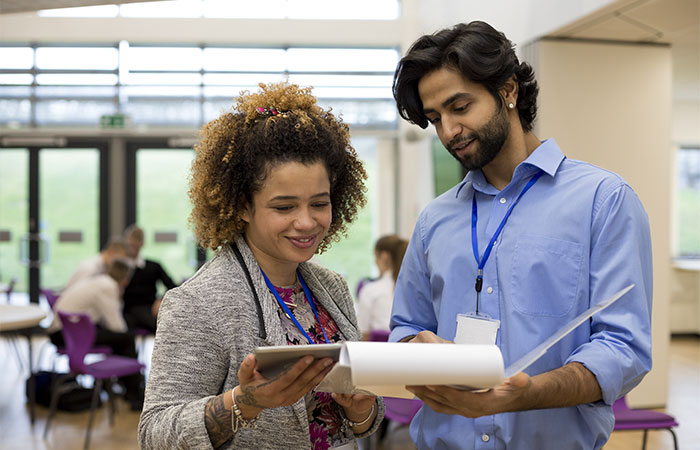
column 508, row 396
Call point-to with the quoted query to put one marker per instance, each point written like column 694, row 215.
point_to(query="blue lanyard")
column 289, row 313
column 487, row 252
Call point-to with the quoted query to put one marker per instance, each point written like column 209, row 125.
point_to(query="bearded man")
column 524, row 243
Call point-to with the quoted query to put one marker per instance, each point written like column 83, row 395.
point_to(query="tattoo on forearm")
column 217, row 419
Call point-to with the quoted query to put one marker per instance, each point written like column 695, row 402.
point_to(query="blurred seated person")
column 141, row 301
column 97, row 265
column 100, row 298
column 376, row 297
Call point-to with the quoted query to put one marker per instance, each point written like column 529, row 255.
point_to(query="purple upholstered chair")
column 642, row 419
column 79, row 333
column 52, row 298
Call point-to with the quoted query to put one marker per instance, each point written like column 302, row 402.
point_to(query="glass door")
column 69, row 211
column 51, row 215
column 161, row 207
column 14, row 221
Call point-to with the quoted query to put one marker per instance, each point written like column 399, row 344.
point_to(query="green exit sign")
column 115, row 121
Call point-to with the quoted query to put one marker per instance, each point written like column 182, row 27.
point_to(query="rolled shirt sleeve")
column 619, row 351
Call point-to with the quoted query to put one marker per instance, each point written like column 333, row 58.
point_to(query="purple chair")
column 642, row 419
column 79, row 333
column 379, row 335
column 52, row 298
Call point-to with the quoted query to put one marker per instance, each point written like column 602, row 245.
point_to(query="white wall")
column 610, row 104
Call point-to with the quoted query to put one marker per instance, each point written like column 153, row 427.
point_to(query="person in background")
column 97, row 265
column 141, row 301
column 376, row 297
column 527, row 241
column 100, row 298
column 273, row 183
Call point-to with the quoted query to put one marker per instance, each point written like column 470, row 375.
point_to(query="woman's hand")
column 286, row 388
column 358, row 408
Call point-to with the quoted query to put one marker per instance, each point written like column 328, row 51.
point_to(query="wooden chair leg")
column 93, row 405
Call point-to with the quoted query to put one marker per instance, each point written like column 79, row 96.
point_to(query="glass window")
column 340, row 80
column 245, row 59
column 72, row 112
column 14, row 213
column 16, row 78
column 77, row 79
column 16, row 58
column 69, row 191
column 163, row 58
column 368, row 114
column 78, row 58
column 15, row 91
column 161, row 91
column 688, row 169
column 15, row 111
column 164, row 112
column 352, row 92
column 215, row 108
column 353, row 256
column 162, row 206
column 342, row 59
column 76, row 91
column 447, row 171
column 161, row 79
column 343, row 10
column 250, row 80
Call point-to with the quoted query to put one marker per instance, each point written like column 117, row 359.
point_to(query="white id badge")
column 476, row 329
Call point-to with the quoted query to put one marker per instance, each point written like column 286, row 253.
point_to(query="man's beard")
column 489, row 140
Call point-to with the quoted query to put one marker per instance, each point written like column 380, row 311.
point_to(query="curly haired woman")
column 273, row 182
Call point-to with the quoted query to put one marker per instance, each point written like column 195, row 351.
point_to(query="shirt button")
column 485, row 437
column 489, row 290
column 502, row 200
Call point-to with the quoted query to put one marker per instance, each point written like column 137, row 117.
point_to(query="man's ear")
column 509, row 91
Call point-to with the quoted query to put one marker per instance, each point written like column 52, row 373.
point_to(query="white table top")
column 16, row 317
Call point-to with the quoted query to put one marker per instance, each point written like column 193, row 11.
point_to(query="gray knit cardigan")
column 206, row 327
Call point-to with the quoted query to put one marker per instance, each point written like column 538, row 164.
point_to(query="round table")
column 22, row 320
column 17, row 317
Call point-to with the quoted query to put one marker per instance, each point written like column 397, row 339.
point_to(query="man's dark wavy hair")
column 480, row 53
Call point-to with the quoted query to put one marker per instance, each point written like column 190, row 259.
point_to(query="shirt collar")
column 547, row 157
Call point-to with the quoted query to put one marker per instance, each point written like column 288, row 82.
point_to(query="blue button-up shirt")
column 576, row 237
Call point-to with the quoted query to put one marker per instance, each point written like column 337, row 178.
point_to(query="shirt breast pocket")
column 546, row 274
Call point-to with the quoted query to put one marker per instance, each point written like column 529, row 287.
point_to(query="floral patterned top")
column 325, row 415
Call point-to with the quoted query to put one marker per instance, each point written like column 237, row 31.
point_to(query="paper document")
column 385, row 368
column 534, row 354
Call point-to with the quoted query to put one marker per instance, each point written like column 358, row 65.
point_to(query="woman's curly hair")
column 237, row 151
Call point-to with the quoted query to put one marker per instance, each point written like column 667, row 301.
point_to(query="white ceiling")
column 669, row 21
column 674, row 22
column 15, row 6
